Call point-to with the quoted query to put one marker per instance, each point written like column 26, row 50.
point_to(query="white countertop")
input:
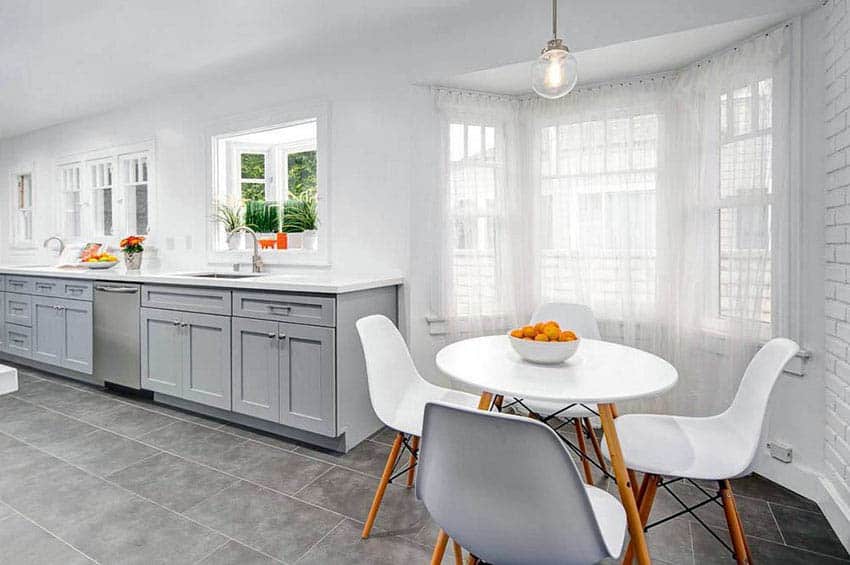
column 320, row 281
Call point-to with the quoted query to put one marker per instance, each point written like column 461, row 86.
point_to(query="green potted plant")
column 231, row 216
column 300, row 217
column 263, row 218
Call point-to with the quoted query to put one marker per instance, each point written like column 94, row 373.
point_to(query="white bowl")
column 546, row 352
column 100, row 265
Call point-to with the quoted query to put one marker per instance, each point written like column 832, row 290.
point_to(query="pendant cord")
column 554, row 19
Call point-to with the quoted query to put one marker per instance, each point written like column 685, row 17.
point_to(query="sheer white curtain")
column 661, row 203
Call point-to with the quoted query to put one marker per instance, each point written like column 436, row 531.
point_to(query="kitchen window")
column 71, row 200
column 135, row 191
column 101, row 184
column 271, row 179
column 22, row 208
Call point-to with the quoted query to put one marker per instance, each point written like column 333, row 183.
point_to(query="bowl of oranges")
column 544, row 342
column 100, row 261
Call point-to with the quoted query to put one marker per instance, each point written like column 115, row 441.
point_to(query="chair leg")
column 473, row 560
column 594, row 441
column 746, row 544
column 411, row 472
column 458, row 553
column 733, row 521
column 440, row 548
column 382, row 486
column 647, row 496
column 588, row 476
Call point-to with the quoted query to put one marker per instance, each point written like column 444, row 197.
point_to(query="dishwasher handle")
column 118, row 289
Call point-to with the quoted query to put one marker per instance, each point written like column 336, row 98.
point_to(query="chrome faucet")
column 57, row 238
column 256, row 260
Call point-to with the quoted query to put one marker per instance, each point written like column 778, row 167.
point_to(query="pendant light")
column 555, row 72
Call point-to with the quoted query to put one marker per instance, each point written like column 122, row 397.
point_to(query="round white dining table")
column 600, row 372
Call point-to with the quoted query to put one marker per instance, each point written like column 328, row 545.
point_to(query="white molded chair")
column 580, row 319
column 715, row 448
column 506, row 506
column 399, row 395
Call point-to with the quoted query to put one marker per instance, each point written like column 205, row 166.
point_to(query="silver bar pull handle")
column 118, row 289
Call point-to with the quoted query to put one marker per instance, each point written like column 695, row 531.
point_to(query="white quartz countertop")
column 320, row 282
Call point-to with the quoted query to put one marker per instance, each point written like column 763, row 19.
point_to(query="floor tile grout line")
column 774, row 542
column 330, row 468
column 205, row 465
column 139, row 462
column 775, row 521
column 50, row 533
column 133, row 495
column 213, row 552
column 232, row 483
column 320, row 540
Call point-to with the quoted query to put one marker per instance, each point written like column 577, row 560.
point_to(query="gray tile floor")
column 90, row 476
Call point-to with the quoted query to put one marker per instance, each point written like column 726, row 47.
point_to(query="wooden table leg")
column 627, row 495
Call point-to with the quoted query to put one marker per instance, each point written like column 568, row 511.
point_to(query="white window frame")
column 220, row 180
column 18, row 242
column 70, row 179
column 95, row 185
column 125, row 189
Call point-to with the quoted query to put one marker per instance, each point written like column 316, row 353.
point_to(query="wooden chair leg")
column 440, row 548
column 473, row 560
column 746, row 544
column 382, row 486
column 411, row 472
column 733, row 521
column 648, row 488
column 588, row 476
column 594, row 441
column 458, row 553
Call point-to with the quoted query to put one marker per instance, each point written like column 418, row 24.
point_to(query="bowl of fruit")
column 100, row 261
column 544, row 342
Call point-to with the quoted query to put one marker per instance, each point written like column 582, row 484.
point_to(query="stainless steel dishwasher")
column 117, row 356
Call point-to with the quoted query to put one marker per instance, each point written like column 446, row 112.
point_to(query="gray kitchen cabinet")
column 162, row 351
column 62, row 333
column 2, row 318
column 48, row 326
column 206, row 359
column 18, row 340
column 256, row 369
column 307, row 378
column 186, row 355
column 18, row 308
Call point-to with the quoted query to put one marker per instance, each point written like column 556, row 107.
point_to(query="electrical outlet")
column 780, row 451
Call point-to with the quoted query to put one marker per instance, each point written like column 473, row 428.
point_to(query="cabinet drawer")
column 63, row 288
column 2, row 283
column 18, row 308
column 313, row 310
column 17, row 340
column 187, row 299
column 24, row 285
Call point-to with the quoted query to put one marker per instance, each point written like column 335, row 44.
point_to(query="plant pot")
column 295, row 240
column 311, row 240
column 133, row 261
column 236, row 242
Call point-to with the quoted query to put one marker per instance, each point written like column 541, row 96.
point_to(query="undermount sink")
column 225, row 275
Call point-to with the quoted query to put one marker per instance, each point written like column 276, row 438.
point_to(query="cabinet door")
column 162, row 351
column 2, row 320
column 77, row 334
column 256, row 373
column 206, row 377
column 48, row 329
column 308, row 378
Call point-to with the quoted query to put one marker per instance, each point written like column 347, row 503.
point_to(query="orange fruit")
column 553, row 323
column 568, row 336
column 541, row 337
column 516, row 333
column 538, row 327
column 551, row 332
column 528, row 331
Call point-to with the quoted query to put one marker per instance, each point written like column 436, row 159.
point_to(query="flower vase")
column 133, row 261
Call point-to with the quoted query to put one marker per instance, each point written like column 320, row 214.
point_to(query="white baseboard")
column 837, row 511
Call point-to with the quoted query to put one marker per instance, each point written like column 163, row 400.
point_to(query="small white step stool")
column 8, row 379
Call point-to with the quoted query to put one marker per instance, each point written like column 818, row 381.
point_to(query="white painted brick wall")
column 837, row 219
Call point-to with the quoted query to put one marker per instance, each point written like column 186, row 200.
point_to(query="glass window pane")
column 473, row 141
column 742, row 110
column 140, row 209
column 745, row 263
column 456, row 151
column 253, row 191
column 253, row 165
column 103, row 211
column 301, row 170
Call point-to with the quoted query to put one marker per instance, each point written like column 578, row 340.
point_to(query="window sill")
column 298, row 257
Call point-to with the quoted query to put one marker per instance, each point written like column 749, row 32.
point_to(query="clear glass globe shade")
column 554, row 73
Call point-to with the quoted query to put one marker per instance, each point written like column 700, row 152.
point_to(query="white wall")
column 369, row 164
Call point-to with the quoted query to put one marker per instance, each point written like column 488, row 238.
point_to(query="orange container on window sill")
column 281, row 240
column 267, row 243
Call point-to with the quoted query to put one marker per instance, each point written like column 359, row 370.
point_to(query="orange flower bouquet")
column 132, row 248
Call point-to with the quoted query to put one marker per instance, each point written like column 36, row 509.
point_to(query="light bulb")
column 555, row 72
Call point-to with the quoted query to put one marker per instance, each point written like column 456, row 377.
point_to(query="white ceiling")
column 62, row 60
column 622, row 60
